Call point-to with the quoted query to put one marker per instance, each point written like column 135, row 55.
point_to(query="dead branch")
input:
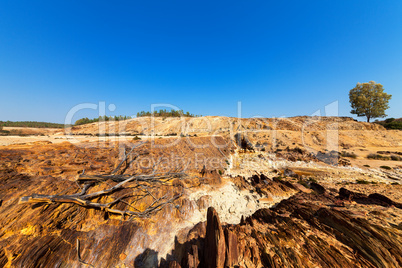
column 105, row 207
column 119, row 178
column 125, row 157
column 145, row 182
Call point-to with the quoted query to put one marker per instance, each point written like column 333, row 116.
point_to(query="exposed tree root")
column 145, row 183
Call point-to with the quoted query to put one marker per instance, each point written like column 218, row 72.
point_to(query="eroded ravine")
column 230, row 202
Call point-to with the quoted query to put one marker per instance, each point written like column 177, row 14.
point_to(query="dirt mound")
column 218, row 125
column 266, row 134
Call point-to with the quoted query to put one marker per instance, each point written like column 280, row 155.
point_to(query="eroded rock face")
column 34, row 234
column 309, row 230
column 215, row 245
column 213, row 124
column 316, row 227
column 232, row 252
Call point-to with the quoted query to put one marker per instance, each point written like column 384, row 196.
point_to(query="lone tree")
column 369, row 100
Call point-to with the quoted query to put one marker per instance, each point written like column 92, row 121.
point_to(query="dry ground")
column 308, row 229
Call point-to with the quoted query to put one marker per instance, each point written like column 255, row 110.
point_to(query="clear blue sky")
column 279, row 58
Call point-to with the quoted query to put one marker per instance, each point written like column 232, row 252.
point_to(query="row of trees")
column 166, row 113
column 30, row 124
column 391, row 123
column 86, row 120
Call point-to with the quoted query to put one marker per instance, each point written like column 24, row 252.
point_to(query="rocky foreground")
column 314, row 228
column 194, row 204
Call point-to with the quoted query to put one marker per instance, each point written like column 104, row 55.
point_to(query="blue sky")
column 279, row 58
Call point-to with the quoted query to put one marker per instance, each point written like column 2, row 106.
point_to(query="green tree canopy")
column 369, row 100
column 105, row 118
column 165, row 113
column 30, row 124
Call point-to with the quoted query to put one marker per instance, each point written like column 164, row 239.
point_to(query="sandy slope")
column 310, row 133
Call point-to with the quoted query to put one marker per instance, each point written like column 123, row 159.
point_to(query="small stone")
column 122, row 256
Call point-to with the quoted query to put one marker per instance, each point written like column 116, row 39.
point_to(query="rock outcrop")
column 308, row 230
column 320, row 225
column 232, row 252
column 215, row 244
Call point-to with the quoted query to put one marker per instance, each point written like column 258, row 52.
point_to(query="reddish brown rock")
column 174, row 264
column 301, row 188
column 306, row 230
column 215, row 246
column 232, row 252
column 193, row 260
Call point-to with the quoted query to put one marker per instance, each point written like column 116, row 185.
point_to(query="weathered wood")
column 145, row 182
column 85, row 177
column 84, row 200
column 125, row 157
column 88, row 204
column 119, row 178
